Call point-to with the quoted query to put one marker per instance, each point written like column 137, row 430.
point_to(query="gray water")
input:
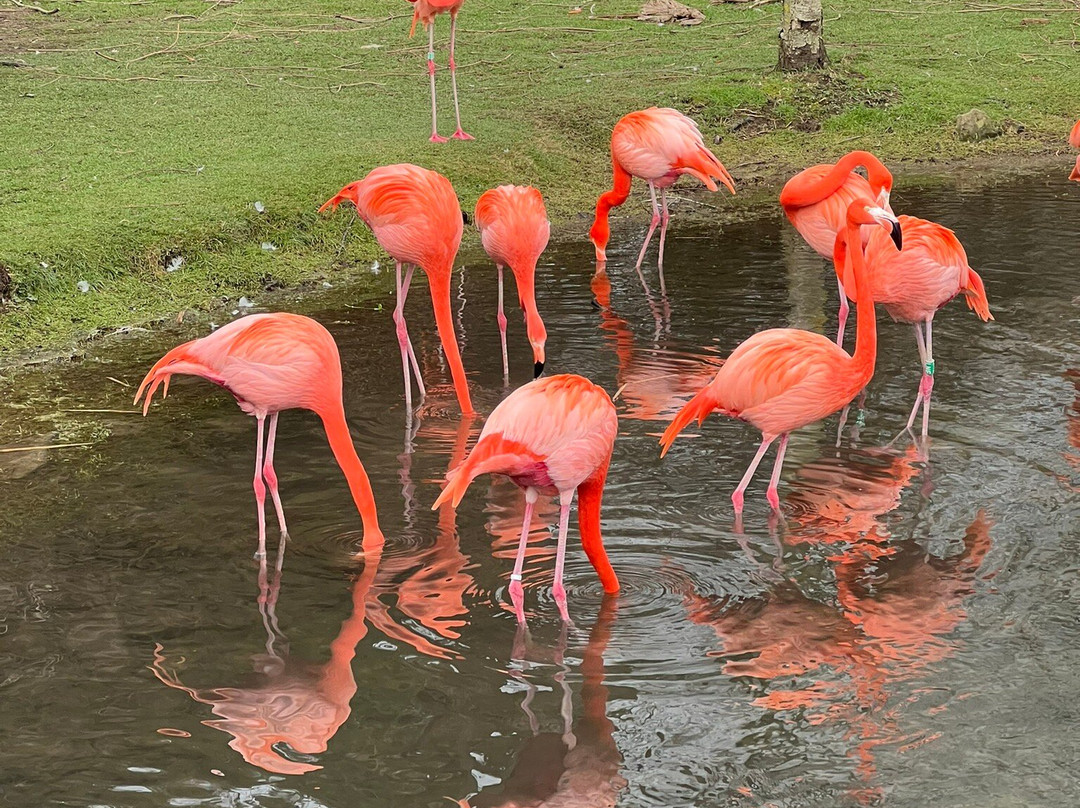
column 906, row 636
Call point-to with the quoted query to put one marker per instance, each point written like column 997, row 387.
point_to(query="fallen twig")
column 38, row 9
column 13, row 449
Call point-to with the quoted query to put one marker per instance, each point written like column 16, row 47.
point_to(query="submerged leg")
column 502, row 329
column 517, row 592
column 924, row 359
column 459, row 134
column 558, row 591
column 435, row 138
column 402, row 336
column 270, row 475
column 842, row 315
column 260, row 487
column 664, row 216
column 737, row 496
column 774, row 481
column 652, row 227
column 926, row 386
column 408, row 339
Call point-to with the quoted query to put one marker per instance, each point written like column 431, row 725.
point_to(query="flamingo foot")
column 737, row 501
column 558, row 591
column 517, row 597
column 460, row 135
column 774, row 499
column 437, row 138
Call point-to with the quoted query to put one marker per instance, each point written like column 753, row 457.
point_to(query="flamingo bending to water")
column 415, row 216
column 425, row 11
column 270, row 363
column 914, row 283
column 785, row 378
column 514, row 229
column 552, row 436
column 816, row 201
column 658, row 145
column 1074, row 141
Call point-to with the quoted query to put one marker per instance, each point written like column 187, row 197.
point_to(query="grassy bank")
column 137, row 132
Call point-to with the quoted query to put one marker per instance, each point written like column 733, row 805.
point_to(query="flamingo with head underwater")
column 425, row 11
column 514, row 229
column 415, row 216
column 270, row 363
column 551, row 436
column 785, row 378
column 915, row 282
column 816, row 201
column 658, row 145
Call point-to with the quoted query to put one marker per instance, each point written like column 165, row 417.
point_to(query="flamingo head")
column 884, row 217
column 350, row 193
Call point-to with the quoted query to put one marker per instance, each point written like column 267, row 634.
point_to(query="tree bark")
column 801, row 43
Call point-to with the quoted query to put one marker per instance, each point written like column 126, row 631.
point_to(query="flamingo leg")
column 926, row 385
column 558, row 591
column 664, row 216
column 402, row 336
column 408, row 340
column 843, row 420
column 435, row 137
column 652, row 227
column 842, row 315
column 502, row 329
column 927, row 381
column 260, row 487
column 774, row 481
column 459, row 134
column 517, row 592
column 737, row 495
column 270, row 476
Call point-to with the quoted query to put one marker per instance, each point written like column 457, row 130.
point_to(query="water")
column 906, row 637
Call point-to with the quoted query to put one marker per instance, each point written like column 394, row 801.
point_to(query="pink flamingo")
column 914, row 283
column 270, row 363
column 415, row 216
column 816, row 201
column 658, row 145
column 785, row 378
column 425, row 11
column 552, row 436
column 1074, row 141
column 514, row 229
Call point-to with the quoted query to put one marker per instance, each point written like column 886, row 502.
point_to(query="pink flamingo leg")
column 737, row 495
column 842, row 315
column 558, row 591
column 408, row 340
column 517, row 592
column 664, row 216
column 459, row 134
column 403, row 337
column 926, row 385
column 270, row 475
column 774, row 482
column 260, row 487
column 502, row 329
column 435, row 138
column 652, row 228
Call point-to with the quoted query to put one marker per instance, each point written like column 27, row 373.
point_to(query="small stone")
column 83, row 287
column 976, row 125
column 327, row 285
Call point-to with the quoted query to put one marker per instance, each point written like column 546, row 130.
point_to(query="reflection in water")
column 575, row 768
column 1072, row 454
column 294, row 707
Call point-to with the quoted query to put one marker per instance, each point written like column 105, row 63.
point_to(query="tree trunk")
column 801, row 44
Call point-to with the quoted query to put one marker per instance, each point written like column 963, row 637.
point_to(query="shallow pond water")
column 907, row 635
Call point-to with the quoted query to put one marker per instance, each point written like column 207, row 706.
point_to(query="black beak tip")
column 897, row 236
column 465, row 217
column 538, row 368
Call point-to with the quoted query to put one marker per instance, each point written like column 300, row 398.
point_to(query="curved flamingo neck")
column 337, row 433
column 590, row 495
column 849, row 242
column 799, row 192
column 439, row 285
column 534, row 324
column 620, row 192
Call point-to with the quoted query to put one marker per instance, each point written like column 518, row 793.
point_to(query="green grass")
column 136, row 132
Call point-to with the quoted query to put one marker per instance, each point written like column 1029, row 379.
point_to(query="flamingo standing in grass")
column 552, row 436
column 914, row 283
column 514, row 229
column 415, row 216
column 816, row 201
column 425, row 11
column 658, row 145
column 1074, row 141
column 785, row 378
column 270, row 363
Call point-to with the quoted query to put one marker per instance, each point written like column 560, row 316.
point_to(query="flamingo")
column 270, row 363
column 914, row 283
column 415, row 216
column 658, row 145
column 514, row 229
column 425, row 11
column 1074, row 141
column 551, row 436
column 816, row 200
column 785, row 378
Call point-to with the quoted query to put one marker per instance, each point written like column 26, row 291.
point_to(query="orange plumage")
column 1074, row 141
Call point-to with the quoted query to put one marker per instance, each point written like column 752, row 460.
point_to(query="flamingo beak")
column 465, row 217
column 883, row 199
column 538, row 368
column 890, row 223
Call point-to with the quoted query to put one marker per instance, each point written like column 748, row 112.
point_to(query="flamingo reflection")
column 1072, row 455
column 292, row 705
column 575, row 768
